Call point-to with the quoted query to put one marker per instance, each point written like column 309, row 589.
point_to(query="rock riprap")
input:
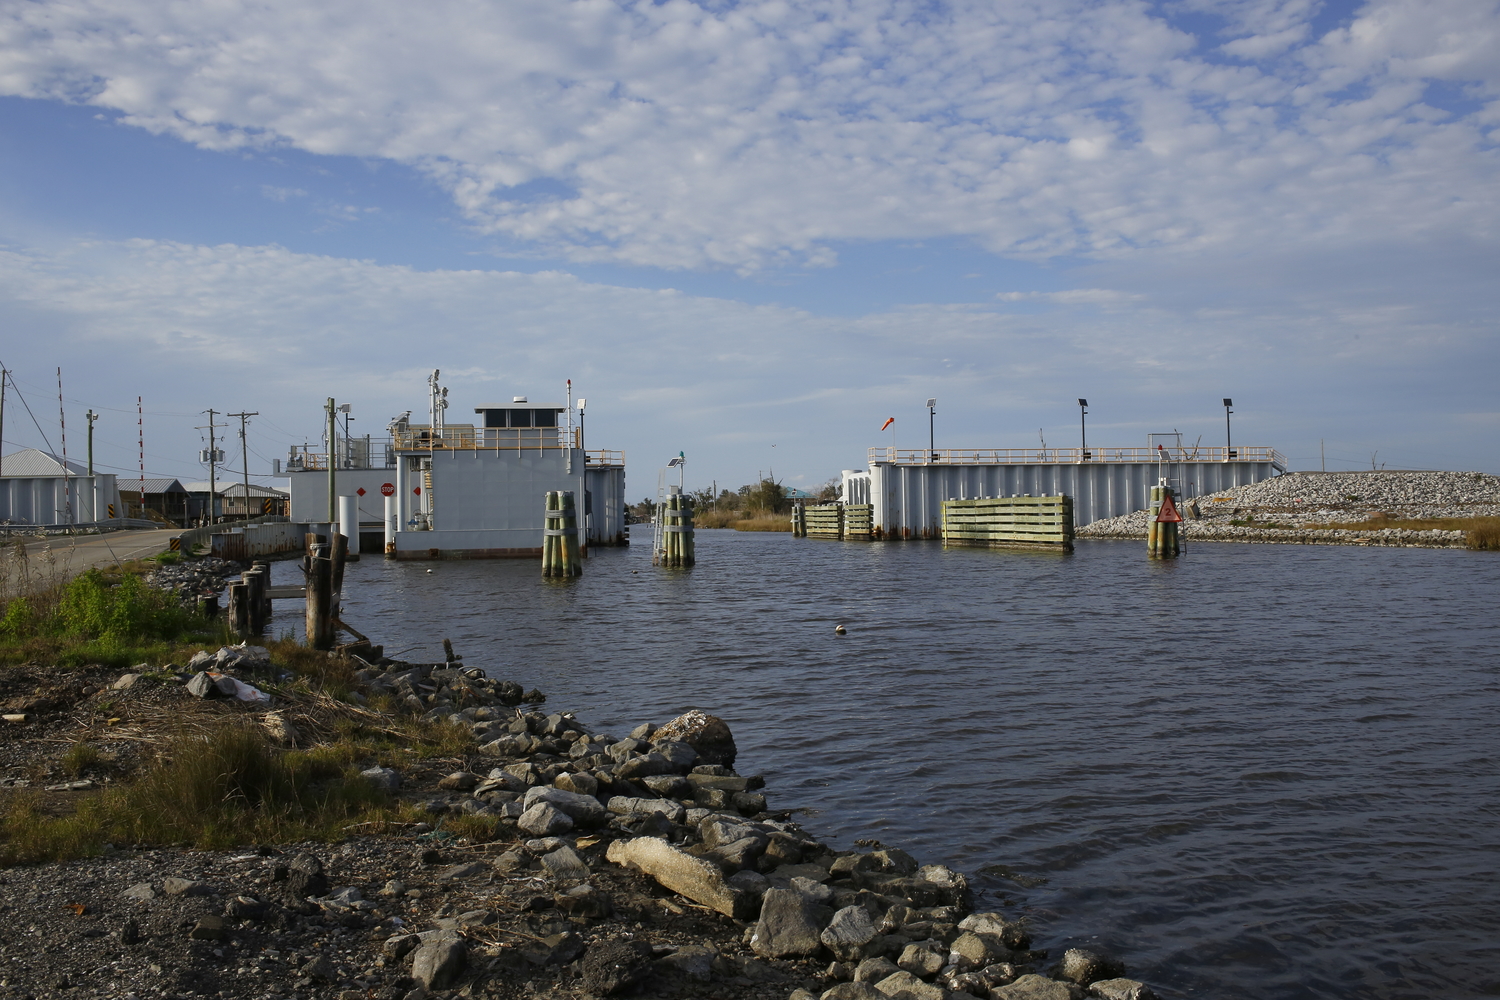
column 1282, row 509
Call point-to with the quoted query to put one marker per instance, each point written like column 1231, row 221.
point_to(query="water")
column 1259, row 771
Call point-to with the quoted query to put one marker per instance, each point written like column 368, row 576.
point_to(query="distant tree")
column 765, row 495
column 829, row 491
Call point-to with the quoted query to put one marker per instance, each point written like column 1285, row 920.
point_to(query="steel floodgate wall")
column 907, row 490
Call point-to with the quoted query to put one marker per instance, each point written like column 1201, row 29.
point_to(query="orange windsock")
column 888, row 422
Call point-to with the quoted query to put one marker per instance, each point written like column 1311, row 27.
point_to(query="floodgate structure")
column 466, row 491
column 906, row 488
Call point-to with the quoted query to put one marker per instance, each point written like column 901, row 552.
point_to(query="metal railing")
column 1077, row 456
column 605, row 458
column 469, row 438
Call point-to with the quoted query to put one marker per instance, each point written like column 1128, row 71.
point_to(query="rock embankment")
column 642, row 865
column 1282, row 510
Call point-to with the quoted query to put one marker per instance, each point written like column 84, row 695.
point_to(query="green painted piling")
column 678, row 548
column 560, row 550
column 1163, row 538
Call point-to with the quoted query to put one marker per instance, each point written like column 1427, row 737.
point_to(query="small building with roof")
column 39, row 488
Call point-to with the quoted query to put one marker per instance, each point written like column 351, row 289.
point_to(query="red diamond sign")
column 360, row 491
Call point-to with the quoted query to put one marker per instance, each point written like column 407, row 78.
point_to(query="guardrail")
column 113, row 524
column 1077, row 456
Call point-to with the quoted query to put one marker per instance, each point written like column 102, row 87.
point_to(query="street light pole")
column 931, row 421
column 1228, row 441
column 1083, row 429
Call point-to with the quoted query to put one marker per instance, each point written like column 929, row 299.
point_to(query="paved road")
column 70, row 555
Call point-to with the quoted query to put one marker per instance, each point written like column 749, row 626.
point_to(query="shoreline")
column 643, row 865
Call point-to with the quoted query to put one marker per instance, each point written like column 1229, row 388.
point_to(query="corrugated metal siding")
column 43, row 499
column 909, row 499
column 606, row 506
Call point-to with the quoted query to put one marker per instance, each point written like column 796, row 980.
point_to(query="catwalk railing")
column 1077, row 456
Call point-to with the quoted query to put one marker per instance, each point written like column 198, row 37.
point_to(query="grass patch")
column 226, row 789
column 1479, row 532
column 81, row 757
column 765, row 522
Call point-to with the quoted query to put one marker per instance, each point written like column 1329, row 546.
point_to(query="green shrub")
column 19, row 620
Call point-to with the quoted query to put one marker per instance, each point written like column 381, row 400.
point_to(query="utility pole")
column 62, row 423
column 245, row 454
column 4, row 378
column 212, row 488
column 91, row 416
column 333, row 433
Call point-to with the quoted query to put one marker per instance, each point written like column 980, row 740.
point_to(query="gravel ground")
column 1281, row 507
column 542, row 907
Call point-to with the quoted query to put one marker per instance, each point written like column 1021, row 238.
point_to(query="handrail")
column 481, row 439
column 1076, row 456
column 605, row 457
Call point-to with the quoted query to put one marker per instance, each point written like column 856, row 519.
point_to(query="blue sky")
column 753, row 231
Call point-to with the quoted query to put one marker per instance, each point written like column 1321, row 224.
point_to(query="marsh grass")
column 1479, row 532
column 229, row 787
column 763, row 522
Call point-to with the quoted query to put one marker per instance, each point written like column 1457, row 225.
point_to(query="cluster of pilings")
column 560, row 552
column 250, row 600
column 1163, row 538
column 675, row 518
column 323, row 567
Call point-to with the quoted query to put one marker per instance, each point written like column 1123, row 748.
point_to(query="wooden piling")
column 560, row 549
column 254, row 593
column 239, row 619
column 265, row 590
column 1163, row 538
column 318, row 567
column 678, row 548
column 799, row 521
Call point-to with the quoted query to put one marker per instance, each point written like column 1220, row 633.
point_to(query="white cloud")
column 1392, row 352
column 762, row 132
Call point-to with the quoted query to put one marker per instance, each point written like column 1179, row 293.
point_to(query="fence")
column 1006, row 522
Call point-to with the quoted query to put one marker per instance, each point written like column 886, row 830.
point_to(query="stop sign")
column 387, row 489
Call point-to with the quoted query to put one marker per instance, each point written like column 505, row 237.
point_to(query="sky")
column 751, row 232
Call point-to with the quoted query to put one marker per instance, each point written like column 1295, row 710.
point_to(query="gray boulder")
column 900, row 982
column 850, row 931
column 873, row 970
column 584, row 810
column 544, row 820
column 623, row 805
column 564, row 863
column 1121, row 989
column 439, row 961
column 1082, row 966
column 788, row 925
column 856, row 990
column 922, row 958
column 1034, row 987
column 697, row 879
column 383, row 778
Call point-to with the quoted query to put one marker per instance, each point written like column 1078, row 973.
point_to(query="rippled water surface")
column 1260, row 771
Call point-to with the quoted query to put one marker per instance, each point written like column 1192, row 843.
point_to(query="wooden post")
column 254, row 600
column 238, row 619
column 318, row 566
column 799, row 525
column 265, row 590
